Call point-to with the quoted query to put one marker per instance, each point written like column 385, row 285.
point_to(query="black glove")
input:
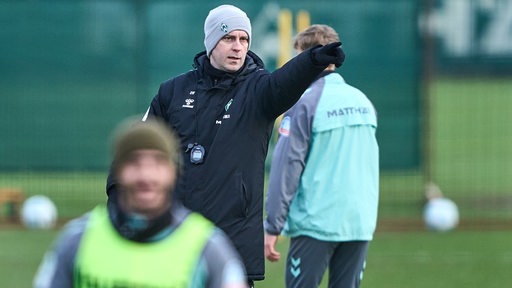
column 328, row 54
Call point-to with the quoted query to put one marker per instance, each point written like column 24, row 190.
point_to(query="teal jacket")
column 324, row 179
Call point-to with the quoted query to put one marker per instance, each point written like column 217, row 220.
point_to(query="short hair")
column 314, row 35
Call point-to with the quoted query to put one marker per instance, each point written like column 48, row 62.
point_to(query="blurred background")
column 438, row 72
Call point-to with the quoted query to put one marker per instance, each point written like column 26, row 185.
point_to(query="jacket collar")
column 137, row 227
column 203, row 66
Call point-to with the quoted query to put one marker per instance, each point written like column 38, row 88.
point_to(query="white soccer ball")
column 38, row 212
column 441, row 214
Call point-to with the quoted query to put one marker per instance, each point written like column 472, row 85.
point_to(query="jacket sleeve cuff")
column 311, row 52
column 270, row 229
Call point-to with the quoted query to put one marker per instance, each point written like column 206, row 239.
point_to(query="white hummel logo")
column 192, row 92
column 188, row 102
column 218, row 122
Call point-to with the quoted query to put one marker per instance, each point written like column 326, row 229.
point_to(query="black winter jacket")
column 231, row 115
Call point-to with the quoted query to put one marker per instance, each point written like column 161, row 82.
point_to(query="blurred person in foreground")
column 323, row 187
column 223, row 111
column 148, row 239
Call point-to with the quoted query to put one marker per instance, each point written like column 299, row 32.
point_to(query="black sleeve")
column 286, row 84
column 157, row 107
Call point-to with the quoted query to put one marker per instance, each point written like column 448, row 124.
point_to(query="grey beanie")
column 221, row 21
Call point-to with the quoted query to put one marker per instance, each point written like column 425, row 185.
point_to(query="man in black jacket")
column 223, row 111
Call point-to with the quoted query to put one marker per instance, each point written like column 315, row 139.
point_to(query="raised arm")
column 288, row 83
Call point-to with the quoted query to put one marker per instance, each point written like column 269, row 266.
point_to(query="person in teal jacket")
column 324, row 181
column 148, row 239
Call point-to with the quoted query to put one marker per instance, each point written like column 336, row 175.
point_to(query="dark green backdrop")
column 70, row 70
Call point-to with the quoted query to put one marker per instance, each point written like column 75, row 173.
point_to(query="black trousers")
column 309, row 258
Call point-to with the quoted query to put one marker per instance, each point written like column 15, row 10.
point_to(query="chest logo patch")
column 229, row 104
column 188, row 103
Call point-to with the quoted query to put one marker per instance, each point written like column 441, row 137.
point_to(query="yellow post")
column 303, row 20
column 285, row 35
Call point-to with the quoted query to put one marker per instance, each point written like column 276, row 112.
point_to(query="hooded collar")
column 137, row 227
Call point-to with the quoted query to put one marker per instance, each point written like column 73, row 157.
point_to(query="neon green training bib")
column 105, row 259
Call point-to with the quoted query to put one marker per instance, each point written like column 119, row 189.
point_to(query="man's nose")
column 237, row 45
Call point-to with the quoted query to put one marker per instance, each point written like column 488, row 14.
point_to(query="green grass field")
column 396, row 259
column 471, row 155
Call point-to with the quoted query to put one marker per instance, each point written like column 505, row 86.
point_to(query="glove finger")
column 331, row 49
column 340, row 57
column 333, row 45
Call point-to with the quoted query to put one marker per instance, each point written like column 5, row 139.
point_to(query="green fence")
column 72, row 69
